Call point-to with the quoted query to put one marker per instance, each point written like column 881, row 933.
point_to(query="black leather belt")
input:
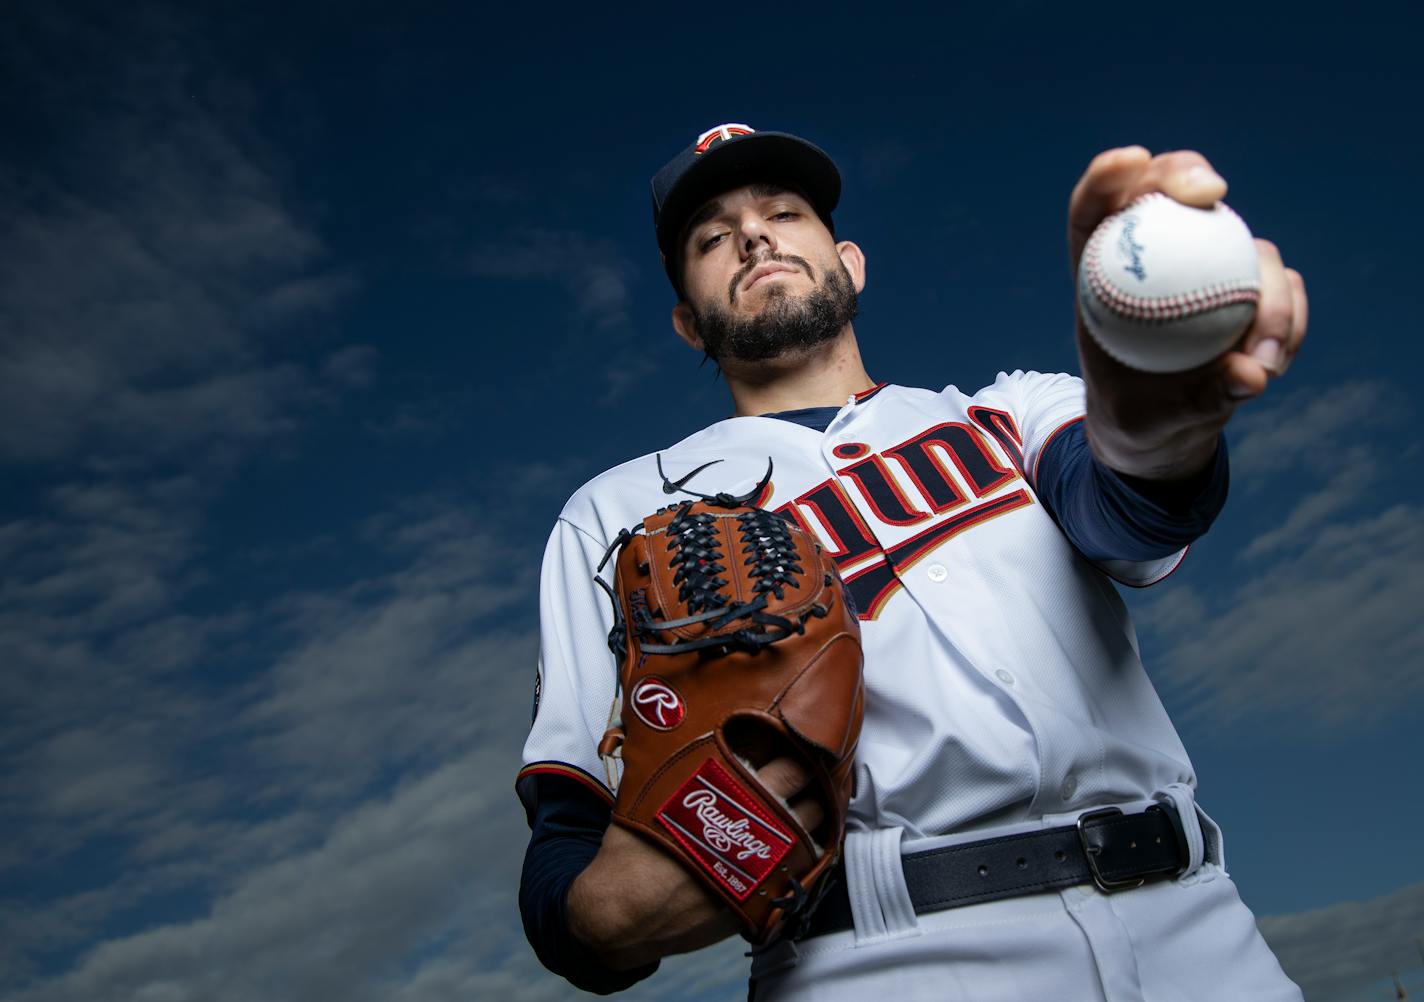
column 1108, row 848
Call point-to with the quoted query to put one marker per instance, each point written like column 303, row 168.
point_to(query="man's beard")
column 787, row 324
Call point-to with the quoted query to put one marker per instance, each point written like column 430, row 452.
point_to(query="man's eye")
column 711, row 242
column 785, row 214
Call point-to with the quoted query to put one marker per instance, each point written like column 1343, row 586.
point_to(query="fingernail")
column 1268, row 353
column 1238, row 391
column 1200, row 175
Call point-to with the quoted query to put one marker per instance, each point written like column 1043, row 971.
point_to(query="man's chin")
column 767, row 356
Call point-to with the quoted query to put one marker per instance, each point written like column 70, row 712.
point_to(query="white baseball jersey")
column 1003, row 684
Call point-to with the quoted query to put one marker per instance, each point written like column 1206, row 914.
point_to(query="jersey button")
column 1005, row 676
column 936, row 572
column 1070, row 786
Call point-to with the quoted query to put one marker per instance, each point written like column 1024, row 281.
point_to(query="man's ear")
column 854, row 260
column 686, row 325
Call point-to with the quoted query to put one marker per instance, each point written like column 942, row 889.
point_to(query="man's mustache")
column 757, row 262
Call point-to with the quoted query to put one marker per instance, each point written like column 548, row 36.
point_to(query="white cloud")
column 409, row 897
column 351, row 366
column 594, row 273
column 90, row 636
column 1308, row 426
column 316, row 887
column 150, row 260
column 111, row 548
column 332, row 922
column 885, row 162
column 1320, row 636
column 270, row 808
column 1331, row 441
column 130, row 737
column 146, row 257
column 1346, row 952
column 1355, row 473
column 628, row 368
column 1325, row 594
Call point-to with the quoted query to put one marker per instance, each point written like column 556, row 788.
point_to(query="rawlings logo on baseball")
column 657, row 704
column 1131, row 249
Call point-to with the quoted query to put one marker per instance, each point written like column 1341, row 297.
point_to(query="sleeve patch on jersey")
column 718, row 822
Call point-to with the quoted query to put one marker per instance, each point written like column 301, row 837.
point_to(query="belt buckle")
column 1091, row 854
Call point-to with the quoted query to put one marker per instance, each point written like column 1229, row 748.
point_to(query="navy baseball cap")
column 729, row 156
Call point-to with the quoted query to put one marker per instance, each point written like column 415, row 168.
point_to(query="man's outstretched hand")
column 1164, row 426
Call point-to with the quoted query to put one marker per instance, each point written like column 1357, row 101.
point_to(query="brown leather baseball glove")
column 736, row 644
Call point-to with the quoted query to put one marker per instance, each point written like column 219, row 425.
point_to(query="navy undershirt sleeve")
column 1110, row 516
column 567, row 822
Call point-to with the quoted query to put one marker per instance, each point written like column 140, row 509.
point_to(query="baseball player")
column 1009, row 726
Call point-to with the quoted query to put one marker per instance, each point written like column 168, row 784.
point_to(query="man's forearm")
column 1130, row 439
column 568, row 826
column 1111, row 516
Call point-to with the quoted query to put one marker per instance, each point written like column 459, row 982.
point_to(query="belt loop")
column 1215, row 844
column 1180, row 797
column 875, row 883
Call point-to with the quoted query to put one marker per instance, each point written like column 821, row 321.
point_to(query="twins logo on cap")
column 705, row 141
column 657, row 704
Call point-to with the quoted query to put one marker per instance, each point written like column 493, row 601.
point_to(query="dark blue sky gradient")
column 312, row 316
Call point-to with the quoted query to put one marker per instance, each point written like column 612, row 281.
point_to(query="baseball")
column 1166, row 287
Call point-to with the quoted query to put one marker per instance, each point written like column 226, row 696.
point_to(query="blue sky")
column 311, row 320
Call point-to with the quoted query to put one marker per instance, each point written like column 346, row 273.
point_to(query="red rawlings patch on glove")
column 721, row 824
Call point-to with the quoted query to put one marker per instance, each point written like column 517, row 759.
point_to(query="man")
column 1006, row 707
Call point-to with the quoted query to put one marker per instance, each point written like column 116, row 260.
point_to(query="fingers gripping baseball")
column 1276, row 335
column 1116, row 177
column 1182, row 315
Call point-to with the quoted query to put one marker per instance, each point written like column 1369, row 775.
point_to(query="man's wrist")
column 1181, row 456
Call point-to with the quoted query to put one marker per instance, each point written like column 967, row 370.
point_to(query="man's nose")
column 754, row 235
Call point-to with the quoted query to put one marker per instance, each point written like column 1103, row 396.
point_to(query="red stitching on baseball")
column 1159, row 309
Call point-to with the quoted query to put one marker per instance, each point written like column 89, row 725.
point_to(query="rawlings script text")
column 720, row 831
column 1131, row 250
